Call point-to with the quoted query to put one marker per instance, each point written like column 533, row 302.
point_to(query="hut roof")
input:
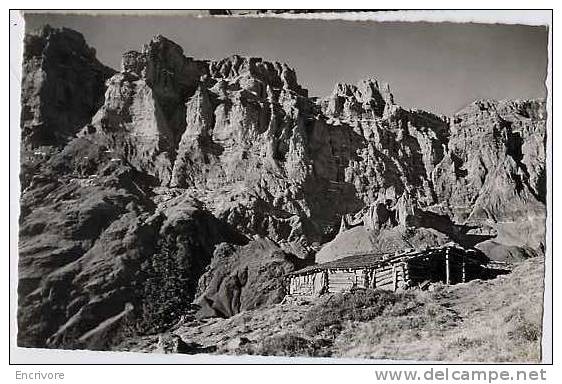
column 352, row 261
column 368, row 260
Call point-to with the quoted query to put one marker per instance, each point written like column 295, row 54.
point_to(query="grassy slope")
column 496, row 320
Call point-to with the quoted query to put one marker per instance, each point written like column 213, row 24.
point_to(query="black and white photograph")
column 276, row 183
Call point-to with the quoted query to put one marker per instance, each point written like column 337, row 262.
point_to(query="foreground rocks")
column 177, row 181
column 237, row 279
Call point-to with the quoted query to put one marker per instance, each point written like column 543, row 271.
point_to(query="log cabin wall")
column 301, row 285
column 344, row 280
column 310, row 284
column 390, row 277
column 427, row 268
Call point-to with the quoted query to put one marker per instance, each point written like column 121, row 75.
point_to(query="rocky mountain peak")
column 60, row 40
column 162, row 64
column 519, row 109
column 250, row 69
column 368, row 99
column 62, row 86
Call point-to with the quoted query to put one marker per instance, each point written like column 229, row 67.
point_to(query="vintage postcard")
column 284, row 183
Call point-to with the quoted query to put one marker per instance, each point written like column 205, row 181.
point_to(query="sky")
column 439, row 67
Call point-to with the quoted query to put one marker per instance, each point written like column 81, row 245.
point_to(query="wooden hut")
column 448, row 264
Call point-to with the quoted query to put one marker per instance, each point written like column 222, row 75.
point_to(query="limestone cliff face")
column 151, row 168
column 495, row 161
column 493, row 174
column 482, row 184
column 244, row 147
column 144, row 114
column 62, row 86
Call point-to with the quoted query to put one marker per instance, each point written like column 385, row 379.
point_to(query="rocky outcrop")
column 494, row 172
column 364, row 101
column 93, row 247
column 144, row 114
column 63, row 85
column 209, row 180
column 495, row 158
column 484, row 169
column 244, row 278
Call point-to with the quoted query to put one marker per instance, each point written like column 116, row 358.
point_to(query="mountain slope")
column 177, row 180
